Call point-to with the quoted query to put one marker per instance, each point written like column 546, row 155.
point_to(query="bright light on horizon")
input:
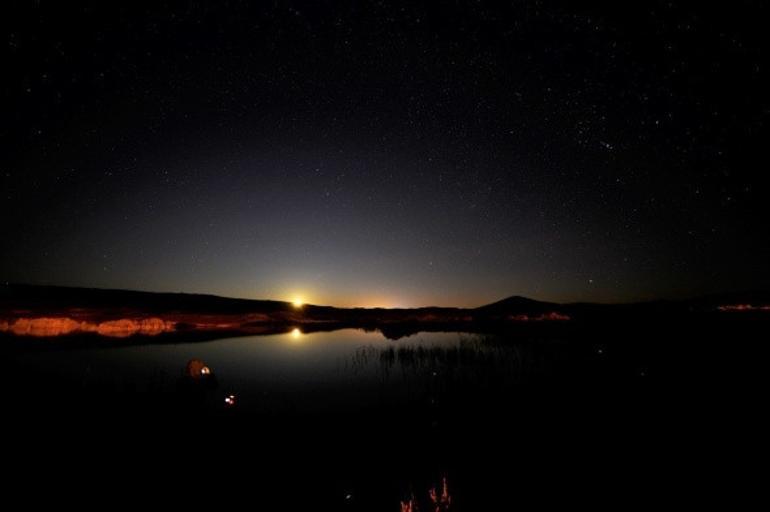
column 297, row 302
column 296, row 333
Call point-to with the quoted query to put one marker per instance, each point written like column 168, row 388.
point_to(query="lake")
column 351, row 420
column 319, row 371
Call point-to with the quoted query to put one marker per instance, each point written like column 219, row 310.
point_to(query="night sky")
column 387, row 153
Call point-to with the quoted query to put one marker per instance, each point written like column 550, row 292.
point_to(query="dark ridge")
column 519, row 304
column 57, row 297
column 20, row 296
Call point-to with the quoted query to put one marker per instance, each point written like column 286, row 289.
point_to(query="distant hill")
column 519, row 305
column 54, row 297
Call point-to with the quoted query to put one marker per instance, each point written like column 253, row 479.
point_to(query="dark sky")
column 387, row 153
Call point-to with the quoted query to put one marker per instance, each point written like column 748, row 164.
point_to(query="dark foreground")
column 609, row 415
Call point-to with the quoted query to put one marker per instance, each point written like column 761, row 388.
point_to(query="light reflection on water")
column 296, row 369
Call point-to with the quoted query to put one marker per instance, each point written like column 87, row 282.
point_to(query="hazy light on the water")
column 296, row 333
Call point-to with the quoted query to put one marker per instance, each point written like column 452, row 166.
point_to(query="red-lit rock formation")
column 43, row 326
column 743, row 307
column 545, row 317
column 60, row 326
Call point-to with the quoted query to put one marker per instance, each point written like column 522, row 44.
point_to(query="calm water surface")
column 357, row 421
column 295, row 370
